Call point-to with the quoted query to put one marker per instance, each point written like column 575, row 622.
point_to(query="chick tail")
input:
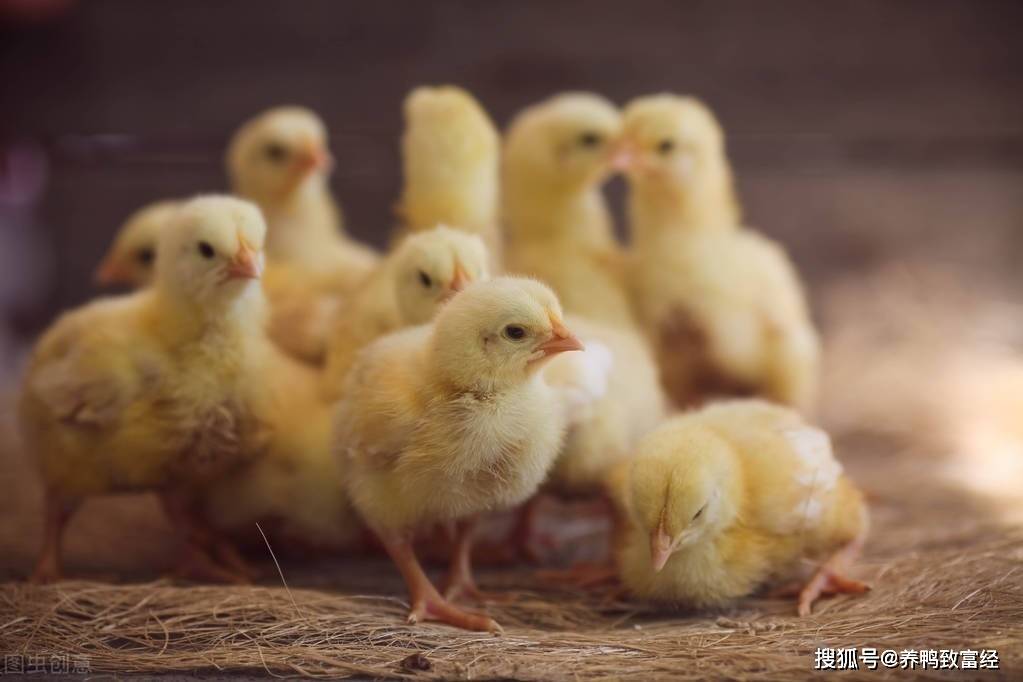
column 792, row 364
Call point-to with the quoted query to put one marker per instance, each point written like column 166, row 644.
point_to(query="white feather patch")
column 581, row 377
column 819, row 470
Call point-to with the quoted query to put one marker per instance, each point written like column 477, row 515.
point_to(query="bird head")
column 497, row 334
column 679, row 489
column 212, row 250
column 671, row 142
column 280, row 152
column 565, row 141
column 131, row 259
column 431, row 267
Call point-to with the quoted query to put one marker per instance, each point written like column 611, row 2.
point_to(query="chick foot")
column 197, row 565
column 460, row 581
column 58, row 513
column 583, row 576
column 828, row 579
column 427, row 603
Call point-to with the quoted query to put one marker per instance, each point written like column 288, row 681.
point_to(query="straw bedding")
column 945, row 558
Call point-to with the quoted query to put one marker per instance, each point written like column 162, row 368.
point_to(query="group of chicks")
column 271, row 373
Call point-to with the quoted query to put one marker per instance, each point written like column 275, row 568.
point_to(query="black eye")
column 145, row 256
column 515, row 332
column 590, row 139
column 699, row 512
column 424, row 279
column 275, row 152
column 206, row 250
column 666, row 146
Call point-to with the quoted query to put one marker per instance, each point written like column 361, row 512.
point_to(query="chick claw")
column 196, row 564
column 827, row 582
column 436, row 608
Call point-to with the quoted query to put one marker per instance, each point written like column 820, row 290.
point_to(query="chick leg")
column 58, row 513
column 460, row 581
column 829, row 580
column 195, row 561
column 427, row 603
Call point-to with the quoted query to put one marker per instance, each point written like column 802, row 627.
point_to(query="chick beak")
column 110, row 272
column 315, row 158
column 561, row 341
column 623, row 157
column 660, row 547
column 460, row 280
column 245, row 264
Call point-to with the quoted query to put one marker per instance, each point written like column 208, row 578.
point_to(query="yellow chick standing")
column 722, row 305
column 451, row 155
column 154, row 390
column 721, row 501
column 443, row 422
column 422, row 273
column 556, row 156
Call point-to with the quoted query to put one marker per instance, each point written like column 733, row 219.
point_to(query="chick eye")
column 145, row 256
column 666, row 146
column 515, row 332
column 590, row 139
column 699, row 512
column 425, row 280
column 206, row 250
column 275, row 152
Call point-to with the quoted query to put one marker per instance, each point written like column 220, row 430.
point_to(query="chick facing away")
column 131, row 259
column 722, row 305
column 724, row 500
column 442, row 422
column 557, row 154
column 154, row 390
column 408, row 288
column 451, row 157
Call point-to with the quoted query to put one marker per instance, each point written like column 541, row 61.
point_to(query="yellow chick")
column 411, row 283
column 280, row 161
column 721, row 501
column 556, row 156
column 451, row 153
column 722, row 305
column 131, row 259
column 154, row 390
column 442, row 422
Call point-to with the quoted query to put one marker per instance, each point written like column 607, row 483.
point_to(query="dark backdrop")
column 862, row 131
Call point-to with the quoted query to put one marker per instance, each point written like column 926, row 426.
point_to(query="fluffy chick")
column 720, row 501
column 451, row 153
column 556, row 156
column 442, row 422
column 407, row 289
column 154, row 390
column 131, row 259
column 280, row 161
column 722, row 305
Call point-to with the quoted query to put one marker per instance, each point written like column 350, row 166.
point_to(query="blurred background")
column 881, row 142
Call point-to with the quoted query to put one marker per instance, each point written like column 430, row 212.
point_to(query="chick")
column 154, row 390
column 720, row 501
column 442, row 422
column 556, row 155
column 408, row 288
column 451, row 153
column 722, row 305
column 131, row 259
column 280, row 161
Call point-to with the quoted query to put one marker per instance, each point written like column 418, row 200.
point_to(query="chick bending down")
column 280, row 161
column 159, row 390
column 722, row 305
column 440, row 423
column 721, row 501
column 451, row 154
column 422, row 273
column 556, row 156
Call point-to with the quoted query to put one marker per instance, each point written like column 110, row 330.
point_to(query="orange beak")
column 315, row 158
column 660, row 547
column 561, row 341
column 245, row 264
column 623, row 157
column 111, row 272
column 460, row 280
